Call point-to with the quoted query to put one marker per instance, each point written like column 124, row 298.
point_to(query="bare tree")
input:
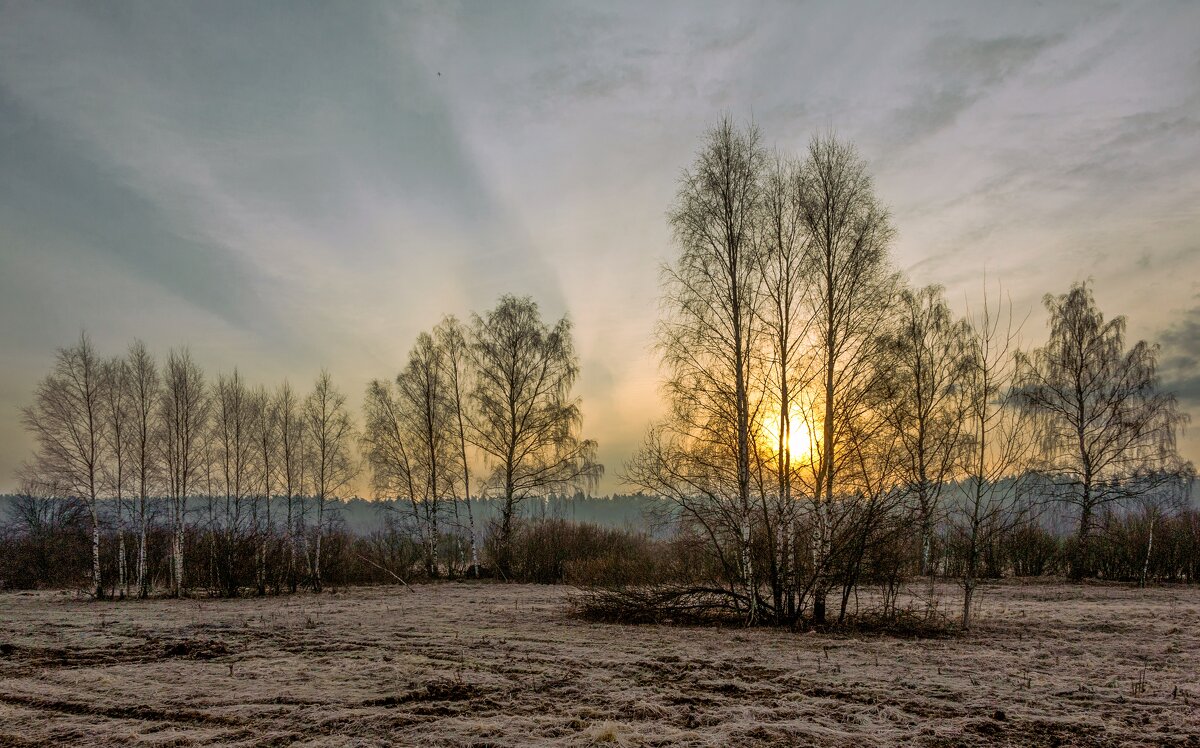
column 329, row 435
column 144, row 393
column 850, row 293
column 998, row 444
column 787, row 322
column 67, row 421
column 716, row 287
column 426, row 407
column 524, row 419
column 292, row 462
column 702, row 458
column 265, row 426
column 387, row 446
column 924, row 401
column 1107, row 430
column 234, row 443
column 118, row 417
column 410, row 444
column 183, row 422
column 783, row 283
column 452, row 338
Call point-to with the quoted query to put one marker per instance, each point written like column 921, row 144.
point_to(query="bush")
column 1033, row 551
column 556, row 551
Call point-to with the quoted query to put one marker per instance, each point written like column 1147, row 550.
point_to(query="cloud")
column 1181, row 357
column 289, row 187
column 955, row 72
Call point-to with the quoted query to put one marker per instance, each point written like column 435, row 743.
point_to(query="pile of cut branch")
column 680, row 605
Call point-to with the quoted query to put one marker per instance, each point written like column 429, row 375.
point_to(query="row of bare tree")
column 492, row 397
column 819, row 407
column 128, row 430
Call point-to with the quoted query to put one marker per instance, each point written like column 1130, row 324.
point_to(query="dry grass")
column 477, row 664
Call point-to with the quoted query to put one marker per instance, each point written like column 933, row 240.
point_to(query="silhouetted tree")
column 264, row 425
column 67, row 422
column 924, row 401
column 293, row 461
column 329, row 436
column 718, row 319
column 1107, row 429
column 787, row 323
column 523, row 417
column 233, row 439
column 850, row 293
column 998, row 444
column 118, row 426
column 183, row 423
column 144, row 393
column 452, row 338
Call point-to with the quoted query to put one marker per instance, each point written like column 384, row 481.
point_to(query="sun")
column 799, row 438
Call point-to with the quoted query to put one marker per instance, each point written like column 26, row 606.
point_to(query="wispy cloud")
column 288, row 187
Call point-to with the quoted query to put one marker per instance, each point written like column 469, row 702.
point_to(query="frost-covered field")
column 480, row 664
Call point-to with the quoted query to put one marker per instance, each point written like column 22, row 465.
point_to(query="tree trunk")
column 96, row 582
column 143, row 578
column 122, row 572
column 290, row 541
column 926, row 538
column 1080, row 562
column 968, row 600
column 317, row 548
column 504, row 547
column 177, row 551
column 1149, row 548
column 474, row 546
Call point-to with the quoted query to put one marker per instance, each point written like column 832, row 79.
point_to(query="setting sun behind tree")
column 798, row 437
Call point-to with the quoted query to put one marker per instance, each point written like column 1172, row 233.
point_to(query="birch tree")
column 387, row 447
column 711, row 337
column 426, row 412
column 118, row 424
column 850, row 293
column 329, row 433
column 451, row 336
column 786, row 324
column 183, row 422
column 144, row 393
column 1108, row 431
column 524, row 420
column 924, row 403
column 998, row 444
column 265, row 434
column 67, row 421
column 292, row 461
column 233, row 439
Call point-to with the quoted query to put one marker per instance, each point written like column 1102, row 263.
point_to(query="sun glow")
column 799, row 437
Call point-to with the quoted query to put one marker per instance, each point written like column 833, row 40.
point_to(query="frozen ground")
column 477, row 664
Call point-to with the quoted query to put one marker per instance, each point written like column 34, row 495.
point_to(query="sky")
column 285, row 187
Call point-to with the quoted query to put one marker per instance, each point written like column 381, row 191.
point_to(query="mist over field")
column 480, row 374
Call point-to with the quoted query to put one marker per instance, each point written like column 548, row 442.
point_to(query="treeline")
column 248, row 475
column 47, row 542
column 47, row 539
column 822, row 411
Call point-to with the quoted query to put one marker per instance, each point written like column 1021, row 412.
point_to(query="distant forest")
column 634, row 512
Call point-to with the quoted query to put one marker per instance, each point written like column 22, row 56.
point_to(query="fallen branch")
column 389, row 571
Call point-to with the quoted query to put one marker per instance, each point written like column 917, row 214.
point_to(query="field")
column 483, row 664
